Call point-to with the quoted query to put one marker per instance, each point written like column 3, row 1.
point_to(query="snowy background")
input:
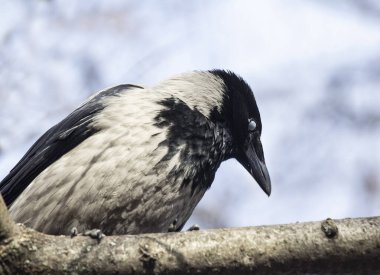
column 314, row 67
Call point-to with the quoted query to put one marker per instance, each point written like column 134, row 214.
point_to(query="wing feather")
column 56, row 142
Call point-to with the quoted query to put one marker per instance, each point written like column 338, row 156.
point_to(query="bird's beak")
column 254, row 163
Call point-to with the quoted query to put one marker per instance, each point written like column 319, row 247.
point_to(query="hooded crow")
column 135, row 159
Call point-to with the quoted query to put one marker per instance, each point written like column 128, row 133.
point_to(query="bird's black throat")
column 202, row 145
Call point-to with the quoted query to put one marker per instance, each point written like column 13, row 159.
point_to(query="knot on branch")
column 330, row 229
column 148, row 260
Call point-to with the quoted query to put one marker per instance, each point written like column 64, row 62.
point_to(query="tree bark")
column 330, row 246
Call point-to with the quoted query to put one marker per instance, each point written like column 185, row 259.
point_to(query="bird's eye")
column 251, row 125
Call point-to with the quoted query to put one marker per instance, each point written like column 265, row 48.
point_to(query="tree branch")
column 331, row 246
column 7, row 226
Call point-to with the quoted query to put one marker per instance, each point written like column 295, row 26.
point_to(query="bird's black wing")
column 56, row 142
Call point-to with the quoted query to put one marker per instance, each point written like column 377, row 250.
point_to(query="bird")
column 136, row 159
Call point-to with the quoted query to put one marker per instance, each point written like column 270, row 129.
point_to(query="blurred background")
column 313, row 65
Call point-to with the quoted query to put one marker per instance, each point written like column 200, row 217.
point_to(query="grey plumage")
column 133, row 159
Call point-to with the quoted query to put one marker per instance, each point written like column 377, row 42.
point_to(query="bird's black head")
column 241, row 117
